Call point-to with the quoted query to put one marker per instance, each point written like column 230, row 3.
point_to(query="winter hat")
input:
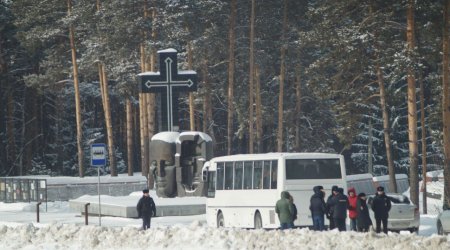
column 380, row 188
column 334, row 188
column 361, row 195
column 145, row 191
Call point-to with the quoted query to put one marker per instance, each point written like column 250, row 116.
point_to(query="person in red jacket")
column 352, row 211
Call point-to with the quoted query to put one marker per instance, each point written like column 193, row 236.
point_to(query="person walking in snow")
column 146, row 209
column 284, row 210
column 339, row 203
column 381, row 205
column 318, row 208
column 363, row 220
column 330, row 210
column 352, row 212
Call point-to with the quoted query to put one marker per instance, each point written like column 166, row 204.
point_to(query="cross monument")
column 169, row 82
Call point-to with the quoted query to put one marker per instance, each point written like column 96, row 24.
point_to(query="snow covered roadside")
column 62, row 228
column 198, row 236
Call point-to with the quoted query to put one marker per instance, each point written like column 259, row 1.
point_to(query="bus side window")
column 238, row 171
column 248, row 175
column 211, row 184
column 274, row 174
column 266, row 175
column 220, row 175
column 228, row 175
column 257, row 175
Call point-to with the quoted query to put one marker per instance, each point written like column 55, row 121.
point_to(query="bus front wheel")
column 220, row 220
column 258, row 220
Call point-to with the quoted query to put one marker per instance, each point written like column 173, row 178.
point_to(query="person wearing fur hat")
column 363, row 220
column 146, row 209
column 381, row 205
column 339, row 202
column 330, row 209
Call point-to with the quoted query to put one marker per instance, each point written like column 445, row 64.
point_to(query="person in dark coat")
column 381, row 205
column 339, row 203
column 363, row 220
column 318, row 208
column 146, row 209
column 329, row 210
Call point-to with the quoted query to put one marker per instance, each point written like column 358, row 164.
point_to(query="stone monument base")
column 126, row 206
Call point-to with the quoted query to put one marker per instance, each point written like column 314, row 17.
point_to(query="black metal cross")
column 168, row 81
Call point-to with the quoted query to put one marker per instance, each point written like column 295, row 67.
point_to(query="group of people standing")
column 336, row 208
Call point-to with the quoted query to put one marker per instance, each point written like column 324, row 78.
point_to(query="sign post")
column 98, row 159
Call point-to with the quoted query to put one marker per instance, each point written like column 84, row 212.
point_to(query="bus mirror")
column 205, row 174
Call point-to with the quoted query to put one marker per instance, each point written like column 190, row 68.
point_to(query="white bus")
column 243, row 189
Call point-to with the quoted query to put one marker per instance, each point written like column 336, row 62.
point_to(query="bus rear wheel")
column 258, row 221
column 220, row 220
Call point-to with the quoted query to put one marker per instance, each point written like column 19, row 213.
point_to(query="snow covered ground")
column 61, row 228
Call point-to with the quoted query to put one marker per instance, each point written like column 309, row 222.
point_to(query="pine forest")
column 368, row 79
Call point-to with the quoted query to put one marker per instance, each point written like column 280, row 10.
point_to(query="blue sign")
column 98, row 154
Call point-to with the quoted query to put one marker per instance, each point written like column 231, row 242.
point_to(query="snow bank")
column 198, row 236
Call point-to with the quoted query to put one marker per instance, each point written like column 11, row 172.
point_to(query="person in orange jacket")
column 352, row 208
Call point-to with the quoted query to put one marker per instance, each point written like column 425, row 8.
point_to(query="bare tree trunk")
column 370, row 148
column 298, row 108
column 107, row 112
column 130, row 151
column 11, row 147
column 3, row 113
column 446, row 104
column 191, row 94
column 207, row 104
column 231, row 34
column 424, row 146
column 250, row 84
column 412, row 111
column 147, row 109
column 145, row 152
column 142, row 114
column 151, row 103
column 22, row 135
column 282, row 76
column 386, row 131
column 259, row 121
column 109, row 129
column 77, row 94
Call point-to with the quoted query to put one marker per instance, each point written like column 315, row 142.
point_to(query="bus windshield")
column 298, row 169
